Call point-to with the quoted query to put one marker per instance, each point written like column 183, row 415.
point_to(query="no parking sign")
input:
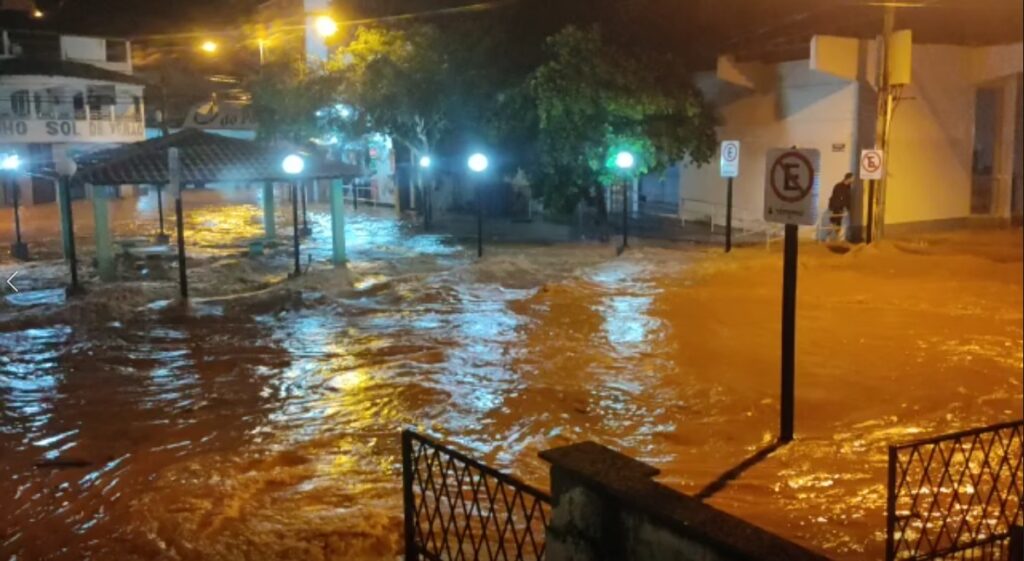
column 871, row 164
column 791, row 186
column 729, row 163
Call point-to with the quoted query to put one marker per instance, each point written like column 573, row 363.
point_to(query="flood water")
column 268, row 428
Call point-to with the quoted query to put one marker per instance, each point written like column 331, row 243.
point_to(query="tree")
column 286, row 98
column 593, row 100
column 392, row 78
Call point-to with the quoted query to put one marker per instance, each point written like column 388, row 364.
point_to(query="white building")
column 62, row 95
column 955, row 149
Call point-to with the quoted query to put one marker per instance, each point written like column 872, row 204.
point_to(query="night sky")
column 696, row 29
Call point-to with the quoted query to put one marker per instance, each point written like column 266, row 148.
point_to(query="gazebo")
column 192, row 157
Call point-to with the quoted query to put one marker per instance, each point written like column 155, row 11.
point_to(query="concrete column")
column 338, row 255
column 1007, row 122
column 104, row 241
column 269, row 211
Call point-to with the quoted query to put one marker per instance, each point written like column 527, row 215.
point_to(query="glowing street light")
column 425, row 162
column 624, row 160
column 10, row 162
column 209, row 46
column 325, row 26
column 478, row 164
column 293, row 164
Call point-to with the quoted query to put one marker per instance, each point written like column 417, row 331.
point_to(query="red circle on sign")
column 730, row 152
column 804, row 189
column 870, row 162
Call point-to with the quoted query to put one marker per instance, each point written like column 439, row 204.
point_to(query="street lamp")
column 325, row 26
column 294, row 164
column 625, row 161
column 425, row 163
column 66, row 168
column 478, row 164
column 209, row 46
column 10, row 163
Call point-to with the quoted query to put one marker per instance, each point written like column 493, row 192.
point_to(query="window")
column 101, row 101
column 21, row 105
column 117, row 50
column 78, row 105
column 47, row 101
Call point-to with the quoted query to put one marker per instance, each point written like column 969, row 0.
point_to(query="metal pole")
column 728, row 216
column 429, row 201
column 17, row 212
column 788, row 334
column 160, row 207
column 355, row 195
column 871, row 210
column 295, row 227
column 20, row 249
column 479, row 219
column 179, row 215
column 890, row 506
column 408, row 498
column 69, row 226
column 305, row 217
column 625, row 214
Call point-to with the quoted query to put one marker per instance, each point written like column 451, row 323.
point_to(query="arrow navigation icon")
column 11, row 284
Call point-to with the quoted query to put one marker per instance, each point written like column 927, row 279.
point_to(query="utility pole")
column 876, row 197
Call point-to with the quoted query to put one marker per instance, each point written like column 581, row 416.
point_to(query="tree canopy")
column 559, row 118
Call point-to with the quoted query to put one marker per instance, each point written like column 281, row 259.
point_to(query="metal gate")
column 956, row 496
column 457, row 509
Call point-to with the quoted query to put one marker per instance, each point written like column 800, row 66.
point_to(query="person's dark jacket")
column 840, row 200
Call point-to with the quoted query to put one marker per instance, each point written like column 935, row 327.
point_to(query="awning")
column 205, row 158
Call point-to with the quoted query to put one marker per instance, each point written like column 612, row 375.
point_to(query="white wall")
column 931, row 143
column 792, row 105
column 93, row 50
column 932, row 138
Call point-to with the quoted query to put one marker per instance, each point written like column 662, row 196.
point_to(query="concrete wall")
column 790, row 105
column 932, row 136
column 606, row 507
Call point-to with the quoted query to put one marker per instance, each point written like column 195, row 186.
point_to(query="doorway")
column 986, row 129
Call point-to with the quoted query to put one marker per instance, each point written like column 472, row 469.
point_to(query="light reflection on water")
column 274, row 434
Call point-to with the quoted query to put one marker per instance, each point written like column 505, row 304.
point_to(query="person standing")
column 839, row 203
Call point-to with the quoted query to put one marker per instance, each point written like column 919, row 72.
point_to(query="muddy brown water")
column 268, row 429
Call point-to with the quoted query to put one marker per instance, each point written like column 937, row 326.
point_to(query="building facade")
column 60, row 96
column 955, row 142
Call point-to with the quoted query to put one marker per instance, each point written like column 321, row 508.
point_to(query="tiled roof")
column 204, row 157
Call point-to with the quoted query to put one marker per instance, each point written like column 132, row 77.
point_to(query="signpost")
column 872, row 167
column 790, row 198
column 729, row 166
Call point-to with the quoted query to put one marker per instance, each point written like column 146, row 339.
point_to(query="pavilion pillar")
column 104, row 241
column 269, row 211
column 338, row 256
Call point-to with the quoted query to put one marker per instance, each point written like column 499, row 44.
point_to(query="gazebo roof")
column 205, row 158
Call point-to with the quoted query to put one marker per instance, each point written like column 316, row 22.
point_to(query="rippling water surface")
column 270, row 431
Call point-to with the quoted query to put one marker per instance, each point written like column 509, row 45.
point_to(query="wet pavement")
column 266, row 427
